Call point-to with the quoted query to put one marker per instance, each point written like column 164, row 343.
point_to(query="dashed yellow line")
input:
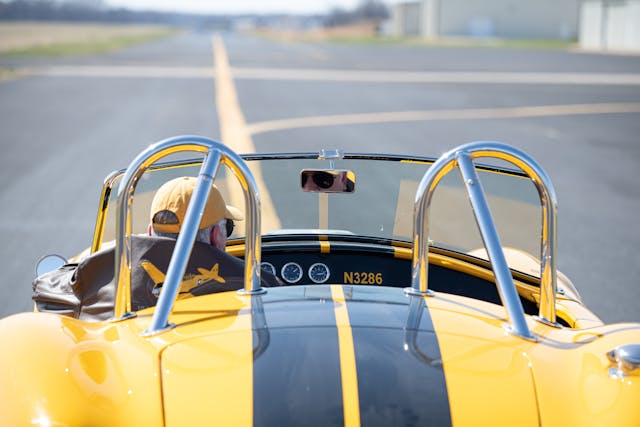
column 235, row 134
column 431, row 115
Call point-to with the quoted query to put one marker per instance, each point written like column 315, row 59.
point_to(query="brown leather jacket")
column 87, row 290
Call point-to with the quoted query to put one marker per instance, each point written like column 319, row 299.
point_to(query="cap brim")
column 233, row 213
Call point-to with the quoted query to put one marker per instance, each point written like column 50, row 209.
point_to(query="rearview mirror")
column 327, row 181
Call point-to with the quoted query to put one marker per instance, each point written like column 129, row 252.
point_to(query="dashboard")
column 349, row 269
column 373, row 265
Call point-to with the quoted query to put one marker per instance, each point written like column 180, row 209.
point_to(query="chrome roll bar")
column 462, row 158
column 214, row 154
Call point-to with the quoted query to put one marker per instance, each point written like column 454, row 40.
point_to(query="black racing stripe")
column 376, row 306
column 400, row 375
column 296, row 370
column 294, row 306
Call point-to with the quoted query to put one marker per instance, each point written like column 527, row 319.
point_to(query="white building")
column 531, row 19
column 610, row 25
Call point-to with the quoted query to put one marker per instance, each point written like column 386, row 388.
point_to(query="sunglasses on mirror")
column 323, row 179
column 229, row 225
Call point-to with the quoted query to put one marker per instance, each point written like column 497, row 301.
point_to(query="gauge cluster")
column 341, row 267
column 293, row 273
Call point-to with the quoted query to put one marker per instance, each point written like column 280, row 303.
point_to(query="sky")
column 236, row 6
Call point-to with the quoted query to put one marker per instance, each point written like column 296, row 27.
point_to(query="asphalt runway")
column 65, row 123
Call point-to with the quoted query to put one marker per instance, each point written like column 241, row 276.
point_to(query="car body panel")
column 368, row 347
column 225, row 347
column 296, row 340
column 493, row 379
column 61, row 371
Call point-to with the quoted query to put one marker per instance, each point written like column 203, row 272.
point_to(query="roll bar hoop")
column 462, row 158
column 214, row 154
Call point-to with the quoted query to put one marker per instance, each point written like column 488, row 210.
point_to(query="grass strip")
column 86, row 47
column 452, row 42
column 460, row 42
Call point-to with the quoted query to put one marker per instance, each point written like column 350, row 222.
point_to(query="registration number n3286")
column 362, row 278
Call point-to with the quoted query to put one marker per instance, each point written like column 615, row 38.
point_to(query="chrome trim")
column 412, row 291
column 55, row 266
column 325, row 154
column 125, row 316
column 331, row 155
column 626, row 359
column 462, row 158
column 215, row 153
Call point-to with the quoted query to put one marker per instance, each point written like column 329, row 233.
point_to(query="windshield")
column 381, row 206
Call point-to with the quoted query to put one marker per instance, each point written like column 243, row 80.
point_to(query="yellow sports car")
column 355, row 289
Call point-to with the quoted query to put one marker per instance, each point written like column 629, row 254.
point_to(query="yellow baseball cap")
column 174, row 196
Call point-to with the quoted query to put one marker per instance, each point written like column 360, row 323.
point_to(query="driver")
column 210, row 268
column 87, row 290
column 169, row 207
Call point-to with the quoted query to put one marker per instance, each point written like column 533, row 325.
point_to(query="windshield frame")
column 111, row 181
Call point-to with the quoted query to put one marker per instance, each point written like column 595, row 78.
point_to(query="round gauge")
column 268, row 267
column 291, row 272
column 319, row 272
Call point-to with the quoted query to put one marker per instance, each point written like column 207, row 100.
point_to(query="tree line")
column 95, row 11
column 50, row 10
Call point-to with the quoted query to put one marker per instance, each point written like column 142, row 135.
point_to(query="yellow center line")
column 350, row 398
column 235, row 134
column 323, row 210
column 429, row 115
